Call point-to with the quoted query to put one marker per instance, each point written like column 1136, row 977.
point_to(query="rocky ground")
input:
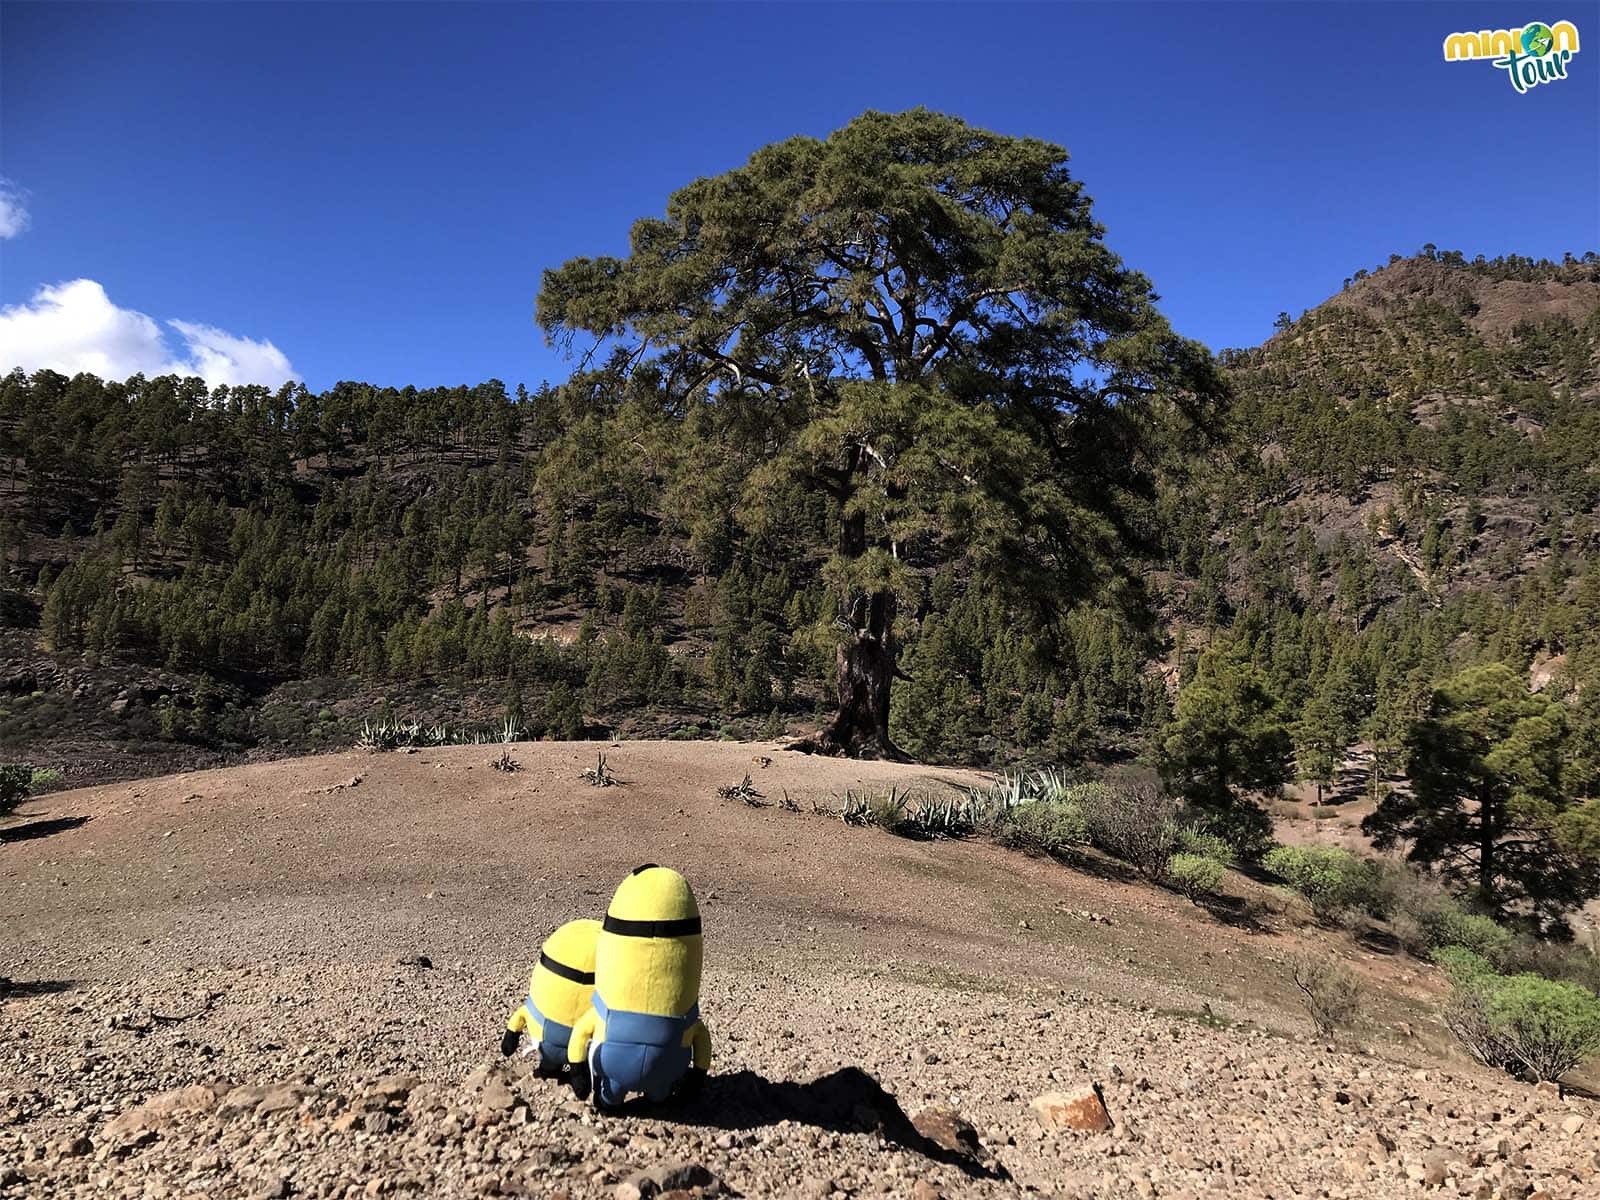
column 290, row 979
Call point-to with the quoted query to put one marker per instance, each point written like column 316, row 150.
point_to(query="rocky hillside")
column 1428, row 431
column 290, row 980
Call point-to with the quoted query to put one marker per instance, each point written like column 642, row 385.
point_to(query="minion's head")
column 655, row 895
column 650, row 951
column 564, row 976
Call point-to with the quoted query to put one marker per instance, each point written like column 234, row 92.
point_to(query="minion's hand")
column 508, row 1043
column 578, row 1076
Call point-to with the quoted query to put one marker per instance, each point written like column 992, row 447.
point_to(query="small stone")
column 277, row 1188
column 947, row 1129
column 1572, row 1125
column 923, row 1190
column 668, row 1177
column 1435, row 1168
column 244, row 1098
column 1082, row 1109
column 497, row 1096
column 158, row 1112
column 392, row 1089
column 285, row 1098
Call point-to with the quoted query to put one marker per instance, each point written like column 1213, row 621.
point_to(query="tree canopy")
column 1486, row 805
column 920, row 321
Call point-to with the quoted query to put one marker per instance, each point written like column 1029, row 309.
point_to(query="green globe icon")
column 1537, row 39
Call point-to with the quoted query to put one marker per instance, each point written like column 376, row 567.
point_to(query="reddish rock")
column 947, row 1129
column 1082, row 1109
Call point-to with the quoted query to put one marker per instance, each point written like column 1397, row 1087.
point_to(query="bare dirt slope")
column 321, row 953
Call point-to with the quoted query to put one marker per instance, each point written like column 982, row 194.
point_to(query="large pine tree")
column 921, row 321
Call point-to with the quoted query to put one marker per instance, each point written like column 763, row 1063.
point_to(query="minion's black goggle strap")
column 566, row 972
column 686, row 927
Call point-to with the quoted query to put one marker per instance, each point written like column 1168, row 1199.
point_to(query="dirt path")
column 854, row 978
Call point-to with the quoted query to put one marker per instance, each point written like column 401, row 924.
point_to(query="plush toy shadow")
column 21, row 989
column 847, row 1101
column 44, row 827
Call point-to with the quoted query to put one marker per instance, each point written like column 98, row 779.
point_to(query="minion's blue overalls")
column 642, row 1052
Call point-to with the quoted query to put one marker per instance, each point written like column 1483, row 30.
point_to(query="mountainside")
column 1407, row 482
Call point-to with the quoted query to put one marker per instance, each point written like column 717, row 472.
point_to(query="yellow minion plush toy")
column 643, row 1031
column 558, row 994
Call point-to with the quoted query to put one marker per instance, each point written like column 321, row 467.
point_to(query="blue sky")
column 375, row 188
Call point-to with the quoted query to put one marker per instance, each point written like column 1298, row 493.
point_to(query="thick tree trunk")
column 864, row 674
column 861, row 726
column 1488, row 836
column 864, row 664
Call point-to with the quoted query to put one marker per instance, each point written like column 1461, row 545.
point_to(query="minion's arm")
column 582, row 1032
column 520, row 1022
column 699, row 1039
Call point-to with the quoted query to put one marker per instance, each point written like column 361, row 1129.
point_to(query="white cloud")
column 13, row 215
column 219, row 357
column 74, row 327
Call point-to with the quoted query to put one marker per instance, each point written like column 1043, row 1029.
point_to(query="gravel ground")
column 290, row 979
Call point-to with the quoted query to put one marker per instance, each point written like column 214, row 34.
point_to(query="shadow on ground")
column 29, row 830
column 1235, row 911
column 847, row 1101
column 23, row 989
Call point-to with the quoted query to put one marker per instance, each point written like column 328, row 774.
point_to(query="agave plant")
column 377, row 736
column 600, row 774
column 857, row 810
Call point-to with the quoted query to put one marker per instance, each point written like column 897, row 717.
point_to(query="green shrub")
column 1195, row 874
column 1522, row 1024
column 1562, row 962
column 1053, row 827
column 1194, row 840
column 1482, row 935
column 1092, row 794
column 1550, row 1027
column 1333, row 880
column 1245, row 826
column 1414, row 904
column 1462, row 965
column 15, row 781
column 1133, row 819
column 1426, row 918
column 46, row 779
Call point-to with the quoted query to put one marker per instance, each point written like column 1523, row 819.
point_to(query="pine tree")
column 929, row 416
column 1487, row 806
